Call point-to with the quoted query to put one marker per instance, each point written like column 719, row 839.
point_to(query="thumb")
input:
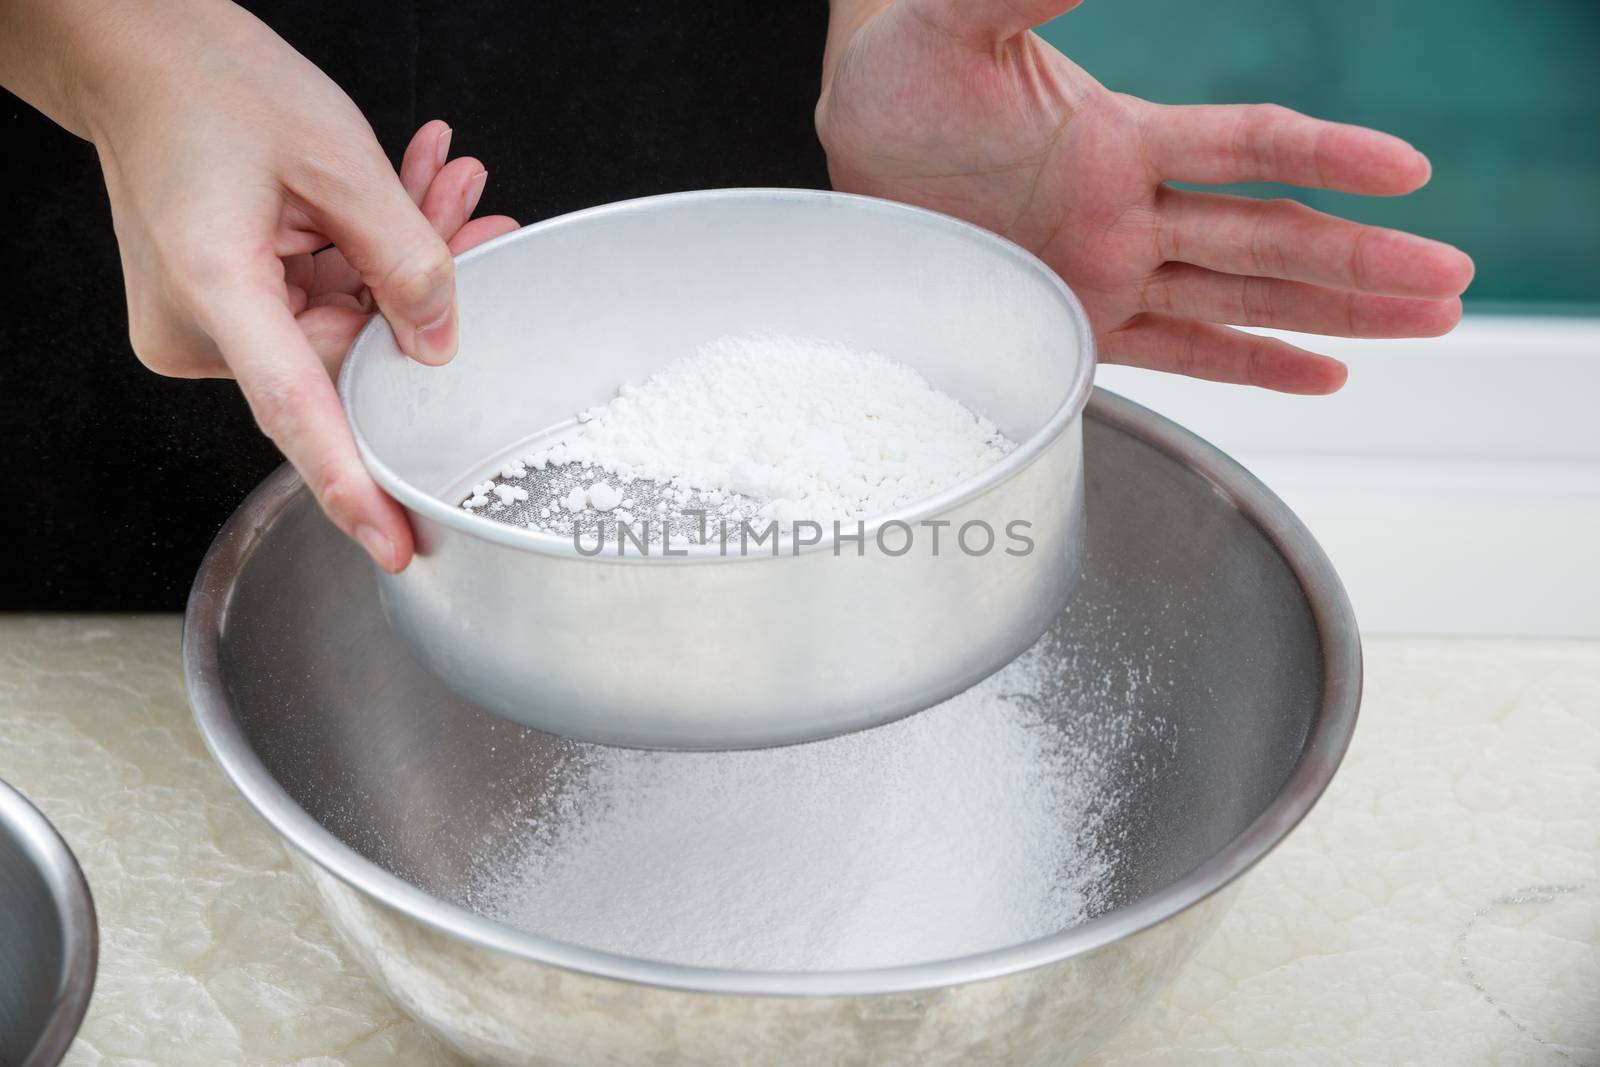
column 384, row 236
column 983, row 22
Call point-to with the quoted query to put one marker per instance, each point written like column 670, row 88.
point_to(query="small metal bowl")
column 48, row 939
column 706, row 650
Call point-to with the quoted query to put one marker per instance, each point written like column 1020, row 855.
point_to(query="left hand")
column 954, row 105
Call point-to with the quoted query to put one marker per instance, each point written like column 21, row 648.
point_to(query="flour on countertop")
column 755, row 427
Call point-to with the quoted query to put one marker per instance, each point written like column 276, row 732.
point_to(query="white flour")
column 967, row 827
column 803, row 429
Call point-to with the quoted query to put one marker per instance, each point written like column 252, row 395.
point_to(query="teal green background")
column 1503, row 97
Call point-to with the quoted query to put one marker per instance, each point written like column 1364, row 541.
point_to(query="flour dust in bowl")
column 793, row 357
column 841, row 854
column 1000, row 880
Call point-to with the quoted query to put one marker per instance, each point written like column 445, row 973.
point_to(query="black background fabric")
column 117, row 479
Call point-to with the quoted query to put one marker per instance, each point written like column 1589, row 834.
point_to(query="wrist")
column 126, row 61
column 845, row 19
column 40, row 55
column 100, row 63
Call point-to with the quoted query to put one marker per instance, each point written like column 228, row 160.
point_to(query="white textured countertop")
column 1441, row 904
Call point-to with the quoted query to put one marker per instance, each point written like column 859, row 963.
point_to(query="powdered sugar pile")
column 762, row 427
column 968, row 827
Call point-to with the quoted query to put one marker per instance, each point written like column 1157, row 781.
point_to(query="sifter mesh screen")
column 649, row 507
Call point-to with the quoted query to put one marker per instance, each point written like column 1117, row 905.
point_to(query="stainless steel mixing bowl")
column 555, row 317
column 1204, row 606
column 48, row 938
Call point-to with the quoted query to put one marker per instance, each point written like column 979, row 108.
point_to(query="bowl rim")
column 1324, row 747
column 80, row 933
column 431, row 507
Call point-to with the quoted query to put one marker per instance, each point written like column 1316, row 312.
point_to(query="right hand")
column 230, row 159
column 956, row 105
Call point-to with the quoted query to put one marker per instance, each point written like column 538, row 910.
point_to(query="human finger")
column 983, row 22
column 478, row 231
column 293, row 400
column 360, row 204
column 1219, row 354
column 453, row 196
column 424, row 157
column 1269, row 143
column 1286, row 239
column 1183, row 291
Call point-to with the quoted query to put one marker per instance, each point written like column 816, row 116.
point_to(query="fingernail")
column 442, row 146
column 475, row 192
column 1427, row 165
column 436, row 342
column 377, row 545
